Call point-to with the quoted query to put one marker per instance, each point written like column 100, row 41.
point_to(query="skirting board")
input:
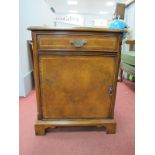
column 27, row 84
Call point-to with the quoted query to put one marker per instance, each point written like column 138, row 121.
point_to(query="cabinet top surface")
column 38, row 28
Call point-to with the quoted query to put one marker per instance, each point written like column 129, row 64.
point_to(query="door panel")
column 76, row 86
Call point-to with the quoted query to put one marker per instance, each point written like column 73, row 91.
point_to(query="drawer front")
column 76, row 86
column 78, row 42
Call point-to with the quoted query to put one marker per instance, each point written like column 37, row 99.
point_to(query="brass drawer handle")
column 78, row 43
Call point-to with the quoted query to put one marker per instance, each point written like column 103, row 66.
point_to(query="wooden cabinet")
column 76, row 73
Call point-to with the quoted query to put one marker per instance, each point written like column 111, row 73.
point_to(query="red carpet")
column 83, row 140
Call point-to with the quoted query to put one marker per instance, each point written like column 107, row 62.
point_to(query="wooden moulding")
column 41, row 28
column 42, row 125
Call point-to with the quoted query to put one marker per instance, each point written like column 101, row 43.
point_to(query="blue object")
column 117, row 24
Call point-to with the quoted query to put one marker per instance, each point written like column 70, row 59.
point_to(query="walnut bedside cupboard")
column 76, row 72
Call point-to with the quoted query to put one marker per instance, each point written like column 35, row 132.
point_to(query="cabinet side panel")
column 36, row 75
column 117, row 64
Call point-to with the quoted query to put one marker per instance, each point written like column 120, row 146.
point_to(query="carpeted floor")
column 81, row 140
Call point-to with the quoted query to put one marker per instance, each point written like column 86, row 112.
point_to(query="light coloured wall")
column 32, row 13
column 130, row 19
column 88, row 20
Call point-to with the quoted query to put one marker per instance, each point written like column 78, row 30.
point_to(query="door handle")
column 110, row 90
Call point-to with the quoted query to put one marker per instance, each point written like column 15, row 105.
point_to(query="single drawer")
column 78, row 42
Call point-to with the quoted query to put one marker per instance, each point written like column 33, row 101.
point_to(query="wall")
column 32, row 13
column 130, row 19
column 88, row 20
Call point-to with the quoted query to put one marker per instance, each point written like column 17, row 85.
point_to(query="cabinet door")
column 76, row 86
